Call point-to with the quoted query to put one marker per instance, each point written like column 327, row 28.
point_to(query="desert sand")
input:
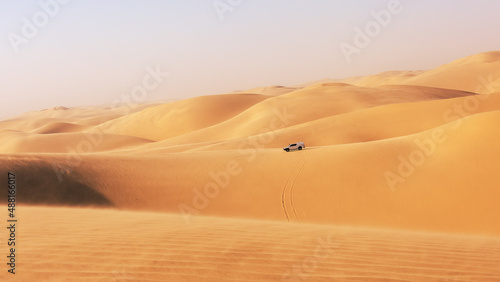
column 398, row 182
column 74, row 244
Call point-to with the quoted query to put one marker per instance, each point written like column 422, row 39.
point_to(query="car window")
column 293, row 144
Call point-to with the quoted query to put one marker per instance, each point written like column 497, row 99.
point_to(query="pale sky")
column 92, row 52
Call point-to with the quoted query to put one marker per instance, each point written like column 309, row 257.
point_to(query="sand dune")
column 85, row 116
column 478, row 73
column 384, row 78
column 176, row 118
column 322, row 182
column 399, row 168
column 80, row 142
column 474, row 73
column 308, row 104
column 368, row 124
column 60, row 127
column 271, row 90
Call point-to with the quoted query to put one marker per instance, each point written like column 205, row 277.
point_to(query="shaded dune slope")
column 47, row 183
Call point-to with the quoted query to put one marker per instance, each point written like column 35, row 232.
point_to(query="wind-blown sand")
column 399, row 176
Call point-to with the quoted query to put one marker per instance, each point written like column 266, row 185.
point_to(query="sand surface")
column 399, row 176
column 109, row 245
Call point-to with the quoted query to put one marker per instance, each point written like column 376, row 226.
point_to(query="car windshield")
column 293, row 144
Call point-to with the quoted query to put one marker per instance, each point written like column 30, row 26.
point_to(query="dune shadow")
column 311, row 148
column 39, row 183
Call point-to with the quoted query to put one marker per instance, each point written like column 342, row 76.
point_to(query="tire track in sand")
column 290, row 182
column 301, row 166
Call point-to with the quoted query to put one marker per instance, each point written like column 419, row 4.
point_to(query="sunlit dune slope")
column 176, row 118
column 91, row 141
column 476, row 73
column 63, row 130
column 70, row 244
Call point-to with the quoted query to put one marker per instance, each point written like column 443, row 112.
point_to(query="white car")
column 295, row 146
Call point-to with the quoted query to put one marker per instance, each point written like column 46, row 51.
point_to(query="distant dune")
column 177, row 118
column 271, row 90
column 399, row 168
column 477, row 73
